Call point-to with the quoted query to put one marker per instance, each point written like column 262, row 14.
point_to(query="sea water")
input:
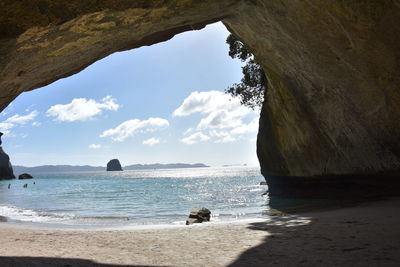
column 138, row 197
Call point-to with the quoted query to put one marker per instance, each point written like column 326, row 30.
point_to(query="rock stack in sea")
column 114, row 165
column 6, row 170
column 198, row 215
column 25, row 176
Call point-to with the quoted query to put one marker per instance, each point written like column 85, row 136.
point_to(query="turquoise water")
column 138, row 197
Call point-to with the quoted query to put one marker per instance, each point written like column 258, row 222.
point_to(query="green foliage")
column 237, row 48
column 253, row 84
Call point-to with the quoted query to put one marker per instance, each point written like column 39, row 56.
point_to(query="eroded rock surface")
column 6, row 170
column 331, row 116
column 198, row 215
column 43, row 41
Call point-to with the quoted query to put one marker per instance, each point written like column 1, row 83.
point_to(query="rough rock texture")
column 114, row 165
column 331, row 118
column 198, row 215
column 6, row 170
column 25, row 176
column 45, row 40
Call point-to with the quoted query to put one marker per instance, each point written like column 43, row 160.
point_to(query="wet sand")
column 366, row 235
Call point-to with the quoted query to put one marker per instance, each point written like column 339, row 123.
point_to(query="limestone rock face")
column 330, row 118
column 43, row 41
column 6, row 170
column 114, row 165
column 331, row 115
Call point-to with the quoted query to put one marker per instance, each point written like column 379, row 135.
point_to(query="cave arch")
column 331, row 114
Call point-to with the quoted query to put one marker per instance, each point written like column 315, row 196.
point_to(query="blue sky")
column 162, row 103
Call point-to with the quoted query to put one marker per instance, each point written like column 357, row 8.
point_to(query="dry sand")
column 366, row 235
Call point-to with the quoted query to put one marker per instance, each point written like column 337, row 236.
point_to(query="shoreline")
column 304, row 207
column 125, row 228
column 35, row 219
column 364, row 235
column 129, row 227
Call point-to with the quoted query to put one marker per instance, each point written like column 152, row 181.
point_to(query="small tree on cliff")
column 254, row 82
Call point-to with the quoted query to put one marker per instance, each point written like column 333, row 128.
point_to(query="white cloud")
column 81, row 109
column 223, row 136
column 207, row 102
column 235, row 134
column 151, row 141
column 195, row 138
column 219, row 133
column 95, row 146
column 130, row 127
column 252, row 127
column 13, row 121
column 188, row 131
column 30, row 107
column 226, row 139
column 18, row 119
column 5, row 127
column 225, row 118
column 36, row 123
column 219, row 119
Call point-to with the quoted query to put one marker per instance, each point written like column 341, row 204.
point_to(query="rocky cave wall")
column 331, row 115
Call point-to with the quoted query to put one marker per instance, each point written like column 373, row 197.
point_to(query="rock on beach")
column 198, row 215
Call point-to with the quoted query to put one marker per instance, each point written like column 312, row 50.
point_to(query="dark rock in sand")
column 25, row 176
column 6, row 170
column 3, row 219
column 198, row 215
column 114, row 165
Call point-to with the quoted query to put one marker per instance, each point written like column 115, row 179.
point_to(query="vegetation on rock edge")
column 253, row 85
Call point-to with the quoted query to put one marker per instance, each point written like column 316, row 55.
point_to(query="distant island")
column 71, row 168
column 114, row 165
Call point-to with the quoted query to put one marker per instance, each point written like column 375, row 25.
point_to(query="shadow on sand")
column 47, row 262
column 356, row 236
column 342, row 237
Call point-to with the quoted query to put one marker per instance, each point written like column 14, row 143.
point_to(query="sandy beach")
column 365, row 235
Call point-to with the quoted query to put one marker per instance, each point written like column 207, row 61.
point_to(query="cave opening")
column 161, row 107
column 86, row 109
column 328, row 128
